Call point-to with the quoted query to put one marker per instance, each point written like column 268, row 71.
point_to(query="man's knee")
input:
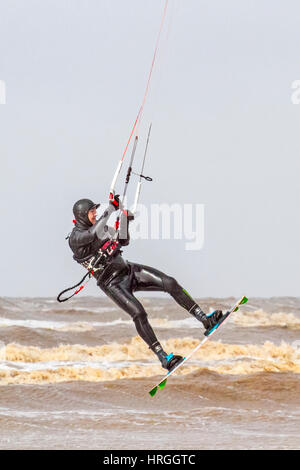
column 170, row 284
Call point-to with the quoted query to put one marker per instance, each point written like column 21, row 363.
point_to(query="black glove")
column 114, row 200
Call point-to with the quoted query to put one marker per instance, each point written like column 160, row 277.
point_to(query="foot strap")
column 210, row 314
column 169, row 356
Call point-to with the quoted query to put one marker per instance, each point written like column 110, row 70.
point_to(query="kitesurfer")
column 93, row 239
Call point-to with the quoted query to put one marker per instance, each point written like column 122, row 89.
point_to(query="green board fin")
column 153, row 391
column 162, row 384
column 243, row 301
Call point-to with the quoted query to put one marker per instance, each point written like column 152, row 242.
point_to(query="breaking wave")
column 261, row 318
column 214, row 356
column 258, row 318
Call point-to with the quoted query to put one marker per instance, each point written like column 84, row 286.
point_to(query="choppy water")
column 77, row 375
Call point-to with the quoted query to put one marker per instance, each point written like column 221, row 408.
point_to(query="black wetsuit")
column 119, row 279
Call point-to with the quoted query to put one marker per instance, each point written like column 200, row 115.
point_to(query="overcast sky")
column 225, row 134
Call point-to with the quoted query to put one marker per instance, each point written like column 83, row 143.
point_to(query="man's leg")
column 121, row 293
column 151, row 279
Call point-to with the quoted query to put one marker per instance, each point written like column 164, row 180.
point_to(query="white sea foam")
column 58, row 325
column 54, row 365
column 188, row 322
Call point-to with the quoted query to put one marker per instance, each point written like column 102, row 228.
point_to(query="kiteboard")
column 208, row 333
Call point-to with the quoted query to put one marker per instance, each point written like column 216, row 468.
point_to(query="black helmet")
column 81, row 209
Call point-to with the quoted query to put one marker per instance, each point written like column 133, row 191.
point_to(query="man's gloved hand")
column 114, row 200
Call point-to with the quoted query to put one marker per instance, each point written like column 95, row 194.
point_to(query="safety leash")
column 80, row 283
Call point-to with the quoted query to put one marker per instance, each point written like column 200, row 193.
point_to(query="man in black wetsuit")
column 93, row 241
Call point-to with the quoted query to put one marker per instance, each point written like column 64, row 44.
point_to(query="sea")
column 77, row 376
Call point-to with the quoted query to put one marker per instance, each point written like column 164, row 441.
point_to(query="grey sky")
column 225, row 134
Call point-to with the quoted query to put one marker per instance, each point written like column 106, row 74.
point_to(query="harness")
column 98, row 262
column 95, row 263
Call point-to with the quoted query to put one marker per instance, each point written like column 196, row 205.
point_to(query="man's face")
column 92, row 216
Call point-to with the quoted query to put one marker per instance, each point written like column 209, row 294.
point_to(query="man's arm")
column 123, row 235
column 100, row 228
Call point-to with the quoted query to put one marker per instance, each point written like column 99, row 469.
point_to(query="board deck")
column 160, row 385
